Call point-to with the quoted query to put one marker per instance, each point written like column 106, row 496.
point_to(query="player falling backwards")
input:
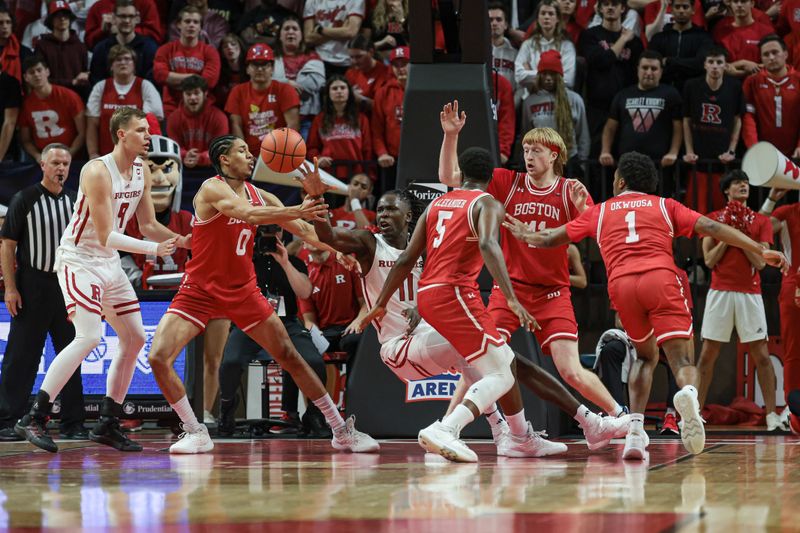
column 635, row 230
column 220, row 279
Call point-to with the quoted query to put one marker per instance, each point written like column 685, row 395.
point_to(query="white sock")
column 186, row 414
column 637, row 423
column 494, row 417
column 329, row 410
column 460, row 417
column 582, row 414
column 616, row 411
column 517, row 423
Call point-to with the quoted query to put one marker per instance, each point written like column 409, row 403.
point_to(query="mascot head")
column 164, row 159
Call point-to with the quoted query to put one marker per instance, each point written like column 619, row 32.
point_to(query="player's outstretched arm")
column 96, row 186
column 547, row 238
column 220, row 197
column 146, row 217
column 734, row 237
column 400, row 271
column 452, row 122
column 490, row 218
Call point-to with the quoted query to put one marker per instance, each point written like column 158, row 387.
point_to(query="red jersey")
column 733, row 272
column 369, row 82
column 387, row 118
column 201, row 59
column 222, row 254
column 742, row 42
column 196, row 131
column 110, row 102
column 540, row 209
column 788, row 17
column 335, row 293
column 453, row 255
column 790, row 240
column 635, row 231
column 52, row 119
column 772, row 110
column 341, row 142
column 261, row 111
column 342, row 218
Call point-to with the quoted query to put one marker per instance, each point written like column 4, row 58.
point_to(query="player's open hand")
column 451, row 121
column 314, row 209
column 167, row 247
column 412, row 315
column 518, row 229
column 311, row 180
column 776, row 259
column 526, row 320
column 376, row 313
column 578, row 194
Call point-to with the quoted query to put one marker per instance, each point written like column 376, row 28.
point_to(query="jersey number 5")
column 241, row 242
column 630, row 218
column 440, row 228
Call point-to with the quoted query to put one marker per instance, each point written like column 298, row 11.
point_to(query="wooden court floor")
column 739, row 483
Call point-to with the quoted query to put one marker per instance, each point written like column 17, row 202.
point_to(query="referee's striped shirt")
column 36, row 219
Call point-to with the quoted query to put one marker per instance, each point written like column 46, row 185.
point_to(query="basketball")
column 283, row 150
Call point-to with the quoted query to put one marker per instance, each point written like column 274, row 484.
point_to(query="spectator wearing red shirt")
column 123, row 89
column 387, row 114
column 504, row 114
column 741, row 38
column 177, row 60
column 339, row 132
column 64, row 50
column 773, row 101
column 734, row 299
column 195, row 123
column 354, row 214
column 212, row 28
column 232, row 51
column 334, row 302
column 50, row 113
column 788, row 18
column 366, row 74
column 569, row 21
column 261, row 104
column 99, row 22
column 11, row 51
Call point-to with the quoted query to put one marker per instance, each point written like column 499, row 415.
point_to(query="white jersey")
column 393, row 324
column 80, row 235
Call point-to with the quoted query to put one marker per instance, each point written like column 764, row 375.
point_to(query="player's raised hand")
column 578, row 194
column 776, row 259
column 451, row 121
column 526, row 319
column 313, row 209
column 167, row 247
column 376, row 313
column 412, row 315
column 311, row 181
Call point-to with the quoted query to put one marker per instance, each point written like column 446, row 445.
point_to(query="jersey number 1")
column 630, row 218
column 407, row 289
column 440, row 228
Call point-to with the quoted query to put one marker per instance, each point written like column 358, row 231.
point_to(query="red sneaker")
column 670, row 425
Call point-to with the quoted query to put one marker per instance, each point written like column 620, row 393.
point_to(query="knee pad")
column 496, row 377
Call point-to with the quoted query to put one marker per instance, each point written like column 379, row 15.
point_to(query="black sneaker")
column 314, row 425
column 9, row 435
column 74, row 431
column 108, row 432
column 226, row 425
column 34, row 430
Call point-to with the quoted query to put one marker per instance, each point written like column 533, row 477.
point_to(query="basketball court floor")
column 739, row 483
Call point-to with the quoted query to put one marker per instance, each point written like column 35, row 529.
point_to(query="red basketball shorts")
column 459, row 315
column 198, row 307
column 652, row 303
column 550, row 306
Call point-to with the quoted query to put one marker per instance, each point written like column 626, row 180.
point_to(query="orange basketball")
column 283, row 150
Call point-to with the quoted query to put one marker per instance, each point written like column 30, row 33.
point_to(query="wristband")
column 355, row 204
column 118, row 241
column 769, row 205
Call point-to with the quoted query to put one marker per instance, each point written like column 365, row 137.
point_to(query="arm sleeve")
column 152, row 100
column 288, row 98
column 314, row 143
column 93, row 105
column 582, row 135
column 506, row 115
column 764, row 229
column 522, row 74
column 151, row 22
column 312, row 76
column 366, row 137
column 749, row 128
column 212, row 67
column 568, row 58
column 379, row 126
column 683, row 218
column 161, row 64
column 782, row 213
column 585, row 225
column 601, row 58
column 231, row 106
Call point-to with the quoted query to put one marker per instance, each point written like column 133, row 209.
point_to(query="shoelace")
column 539, row 435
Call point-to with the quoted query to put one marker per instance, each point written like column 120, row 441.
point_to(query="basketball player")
column 112, row 189
column 459, row 232
column 635, row 231
column 541, row 198
column 412, row 349
column 220, row 279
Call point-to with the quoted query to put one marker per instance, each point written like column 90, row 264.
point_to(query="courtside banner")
column 427, row 192
column 441, row 387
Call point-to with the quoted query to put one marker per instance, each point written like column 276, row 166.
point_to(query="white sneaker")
column 533, row 444
column 599, row 430
column 636, row 446
column 443, row 440
column 774, row 422
column 349, row 438
column 785, row 419
column 693, row 434
column 500, row 433
column 208, row 418
column 193, row 442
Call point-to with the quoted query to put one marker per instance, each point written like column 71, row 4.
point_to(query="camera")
column 266, row 240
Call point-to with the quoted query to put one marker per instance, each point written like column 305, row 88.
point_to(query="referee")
column 36, row 219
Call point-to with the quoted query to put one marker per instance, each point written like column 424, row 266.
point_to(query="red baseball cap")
column 550, row 61
column 401, row 52
column 56, row 7
column 260, row 52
